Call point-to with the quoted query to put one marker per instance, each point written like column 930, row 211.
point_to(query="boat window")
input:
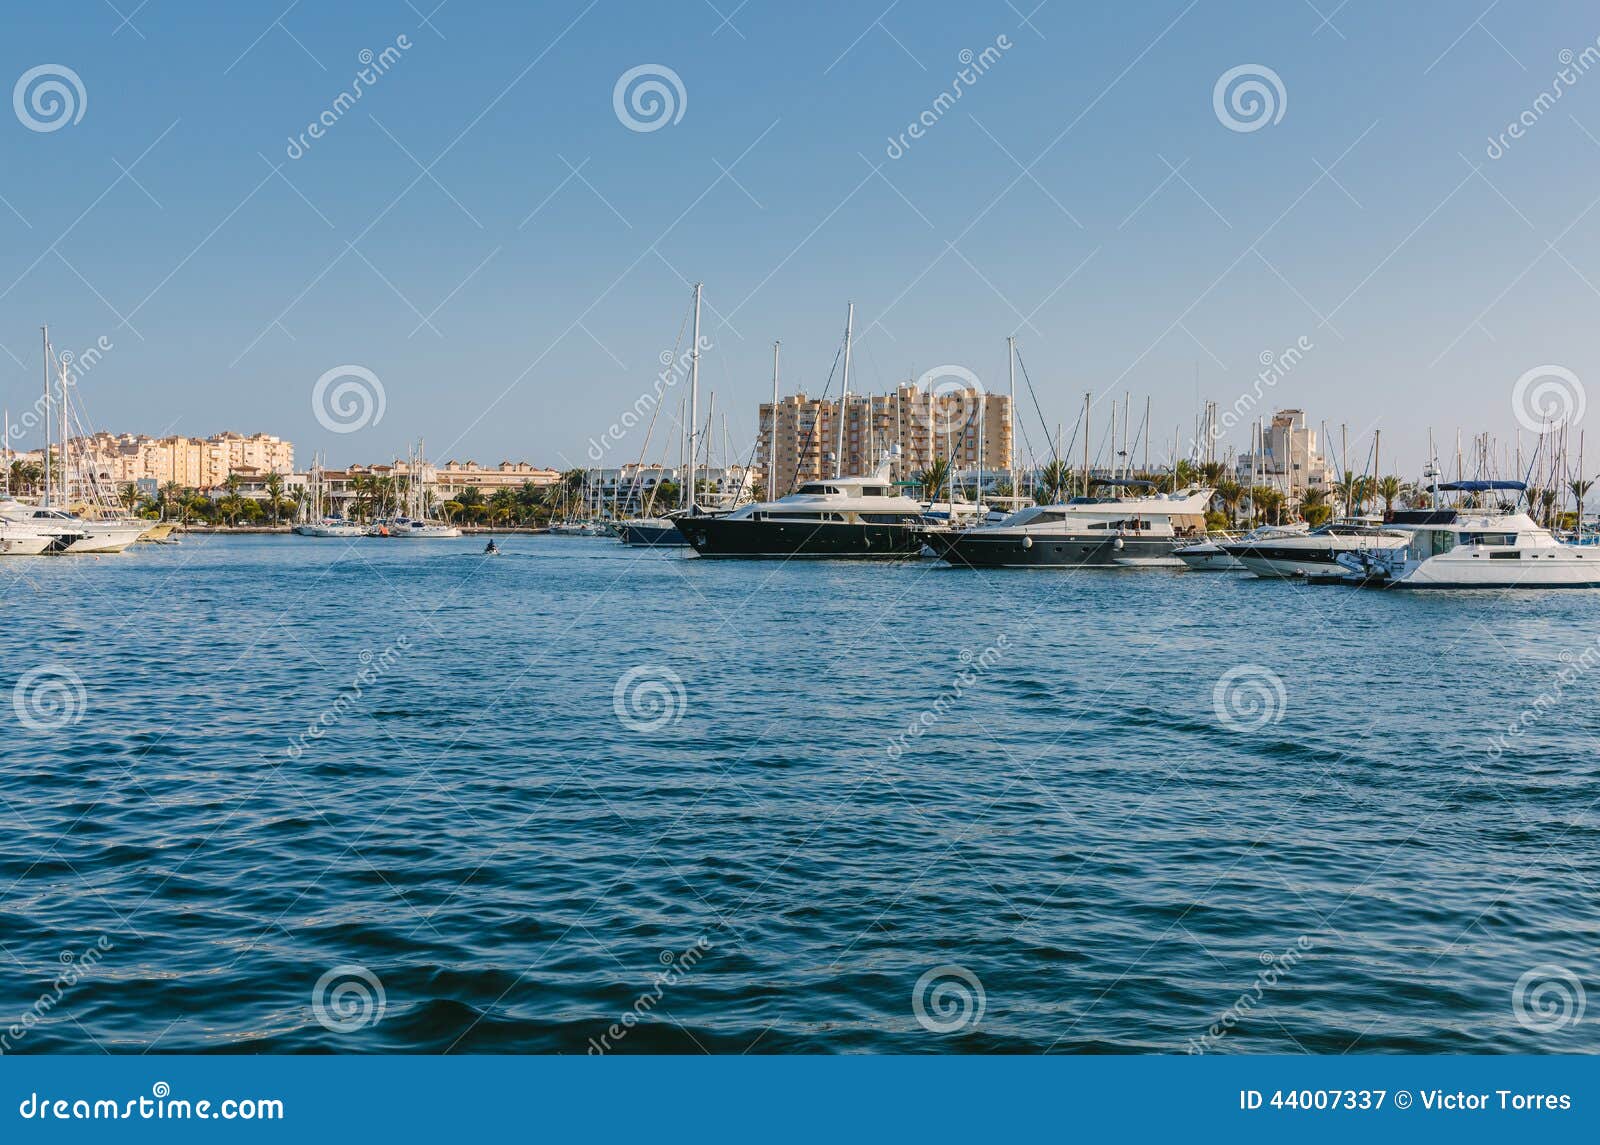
column 1496, row 540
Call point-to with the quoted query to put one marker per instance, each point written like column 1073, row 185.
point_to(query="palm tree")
column 934, row 477
column 1230, row 494
column 1055, row 482
column 274, row 486
column 1579, row 486
column 1349, row 489
column 129, row 494
column 1388, row 488
column 1314, row 506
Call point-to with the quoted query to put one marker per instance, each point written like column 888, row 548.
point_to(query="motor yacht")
column 67, row 532
column 1208, row 555
column 838, row 517
column 1145, row 529
column 1317, row 552
column 1474, row 547
column 650, row 532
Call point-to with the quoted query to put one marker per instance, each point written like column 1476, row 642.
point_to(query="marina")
column 910, row 542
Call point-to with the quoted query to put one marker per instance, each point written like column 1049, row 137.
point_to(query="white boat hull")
column 1207, row 558
column 100, row 538
column 345, row 531
column 22, row 545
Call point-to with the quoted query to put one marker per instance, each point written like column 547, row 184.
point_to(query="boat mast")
column 772, row 432
column 1085, row 444
column 45, row 334
column 694, row 393
column 1011, row 417
column 844, row 400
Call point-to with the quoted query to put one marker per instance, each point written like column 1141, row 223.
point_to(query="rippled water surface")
column 246, row 779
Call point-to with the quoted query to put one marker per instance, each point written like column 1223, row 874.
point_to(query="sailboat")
column 414, row 523
column 317, row 520
column 85, row 527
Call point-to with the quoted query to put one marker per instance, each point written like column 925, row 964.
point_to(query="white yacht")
column 837, row 517
column 1146, row 529
column 66, row 532
column 15, row 542
column 330, row 527
column 1478, row 548
column 1208, row 555
column 413, row 528
column 1315, row 553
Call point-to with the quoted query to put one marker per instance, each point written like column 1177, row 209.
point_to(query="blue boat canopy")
column 1480, row 486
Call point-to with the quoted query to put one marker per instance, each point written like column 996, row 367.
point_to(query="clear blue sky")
column 226, row 290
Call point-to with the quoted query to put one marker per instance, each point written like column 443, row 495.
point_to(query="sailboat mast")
column 772, row 432
column 1011, row 416
column 844, row 400
column 1085, row 445
column 44, row 332
column 694, row 392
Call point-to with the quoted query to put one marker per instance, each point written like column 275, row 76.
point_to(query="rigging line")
column 805, row 446
column 1034, row 394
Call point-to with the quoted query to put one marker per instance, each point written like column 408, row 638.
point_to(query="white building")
column 1285, row 456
